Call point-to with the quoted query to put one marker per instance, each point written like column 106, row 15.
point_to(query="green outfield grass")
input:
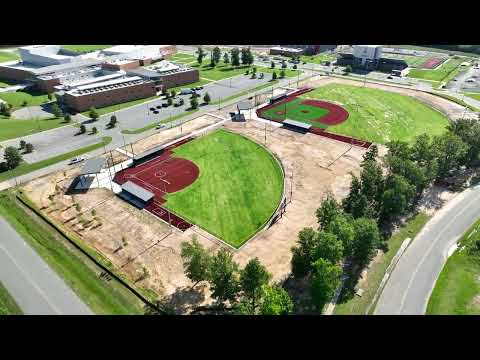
column 440, row 73
column 380, row 116
column 457, row 290
column 8, row 56
column 8, row 306
column 14, row 128
column 239, row 187
column 85, row 48
column 296, row 111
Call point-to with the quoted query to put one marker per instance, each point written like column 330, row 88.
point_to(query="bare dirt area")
column 450, row 109
column 317, row 165
column 147, row 250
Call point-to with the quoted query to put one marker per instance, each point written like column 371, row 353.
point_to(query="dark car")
column 199, row 88
column 165, row 105
column 155, row 112
column 152, row 109
column 159, row 106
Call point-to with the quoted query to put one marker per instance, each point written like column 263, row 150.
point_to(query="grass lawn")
column 8, row 306
column 85, row 48
column 25, row 168
column 317, row 59
column 259, row 87
column 102, row 297
column 380, row 116
column 239, row 187
column 17, row 98
column 457, row 290
column 219, row 72
column 358, row 305
column 288, row 72
column 13, row 128
column 117, row 107
column 440, row 73
column 8, row 56
column 475, row 96
column 458, row 101
column 165, row 121
column 182, row 58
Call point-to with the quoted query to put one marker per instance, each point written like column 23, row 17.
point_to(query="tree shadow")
column 185, row 299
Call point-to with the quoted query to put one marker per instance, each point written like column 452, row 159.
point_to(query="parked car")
column 159, row 106
column 165, row 105
column 152, row 109
column 389, row 77
column 159, row 126
column 186, row 91
column 76, row 160
column 155, row 112
column 199, row 88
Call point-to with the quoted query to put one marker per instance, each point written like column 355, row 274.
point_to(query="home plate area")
column 162, row 174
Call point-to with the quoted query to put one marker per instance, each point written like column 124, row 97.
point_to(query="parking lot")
column 141, row 115
column 48, row 144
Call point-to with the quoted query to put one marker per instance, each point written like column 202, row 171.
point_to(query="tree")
column 451, row 152
column 235, row 56
column 4, row 109
column 275, row 301
column 67, row 118
column 94, row 130
column 29, row 148
column 348, row 69
column 226, row 58
column 83, row 129
column 164, row 91
column 173, row 93
column 329, row 247
column 272, row 65
column 342, row 227
column 224, row 277
column 206, row 98
column 23, row 143
column 212, row 61
column 246, row 56
column 194, row 103
column 24, row 103
column 469, row 131
column 373, row 183
column 294, row 67
column 113, row 121
column 50, row 96
column 196, row 261
column 252, row 278
column 254, row 70
column 367, row 238
column 419, row 176
column 282, row 74
column 397, row 197
column 169, row 101
column 355, row 203
column 303, row 253
column 216, row 54
column 325, row 281
column 274, row 76
column 56, row 111
column 12, row 157
column 328, row 211
column 201, row 55
column 284, row 64
column 371, row 154
column 93, row 114
column 400, row 149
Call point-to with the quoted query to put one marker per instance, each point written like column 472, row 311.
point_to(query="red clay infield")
column 336, row 114
column 161, row 175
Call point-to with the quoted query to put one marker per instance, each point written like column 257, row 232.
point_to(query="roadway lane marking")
column 430, row 249
column 30, row 280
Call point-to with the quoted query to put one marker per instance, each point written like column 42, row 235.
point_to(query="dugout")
column 88, row 174
column 296, row 126
column 135, row 195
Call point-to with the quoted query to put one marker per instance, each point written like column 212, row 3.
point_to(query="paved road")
column 37, row 289
column 412, row 281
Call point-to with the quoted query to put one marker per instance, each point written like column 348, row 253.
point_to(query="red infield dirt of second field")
column 162, row 175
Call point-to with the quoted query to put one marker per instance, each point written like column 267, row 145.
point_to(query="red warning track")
column 162, row 175
column 336, row 114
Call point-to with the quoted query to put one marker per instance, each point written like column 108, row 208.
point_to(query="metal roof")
column 93, row 166
column 137, row 191
column 297, row 124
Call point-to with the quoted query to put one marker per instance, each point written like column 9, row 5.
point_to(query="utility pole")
column 291, row 185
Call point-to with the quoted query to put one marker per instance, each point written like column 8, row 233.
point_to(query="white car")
column 159, row 126
column 76, row 160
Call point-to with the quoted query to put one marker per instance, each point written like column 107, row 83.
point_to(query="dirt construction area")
column 147, row 251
